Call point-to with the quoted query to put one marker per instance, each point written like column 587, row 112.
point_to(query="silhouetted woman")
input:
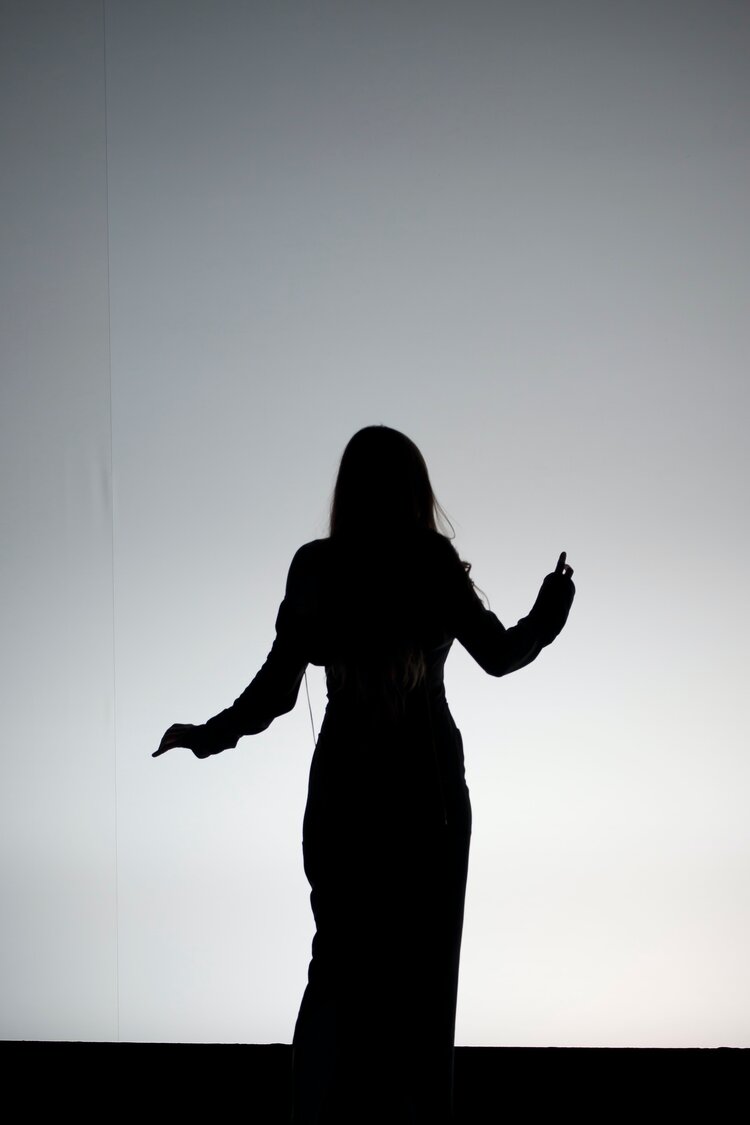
column 387, row 824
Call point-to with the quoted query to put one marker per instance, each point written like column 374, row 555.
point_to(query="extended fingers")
column 171, row 738
column 563, row 567
column 165, row 744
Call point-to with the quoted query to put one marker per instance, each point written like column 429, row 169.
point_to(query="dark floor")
column 493, row 1084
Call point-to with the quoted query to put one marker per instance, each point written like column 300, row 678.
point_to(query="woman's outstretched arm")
column 271, row 693
column 499, row 650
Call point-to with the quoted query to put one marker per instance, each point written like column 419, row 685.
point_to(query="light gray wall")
column 519, row 233
column 57, row 761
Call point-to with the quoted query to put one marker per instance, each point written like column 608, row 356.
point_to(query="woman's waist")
column 362, row 690
column 424, row 733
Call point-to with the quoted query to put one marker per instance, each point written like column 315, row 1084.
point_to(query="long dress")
column 387, row 823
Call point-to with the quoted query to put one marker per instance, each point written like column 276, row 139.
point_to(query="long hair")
column 382, row 495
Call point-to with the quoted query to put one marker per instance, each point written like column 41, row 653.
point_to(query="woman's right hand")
column 562, row 567
column 559, row 584
column 554, row 600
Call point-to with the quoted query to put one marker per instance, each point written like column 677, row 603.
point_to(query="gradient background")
column 233, row 234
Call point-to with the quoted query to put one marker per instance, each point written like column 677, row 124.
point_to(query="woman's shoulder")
column 421, row 534
column 436, row 539
column 310, row 554
column 433, row 543
column 439, row 545
column 313, row 546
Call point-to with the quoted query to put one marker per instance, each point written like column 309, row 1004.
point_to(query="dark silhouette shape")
column 387, row 824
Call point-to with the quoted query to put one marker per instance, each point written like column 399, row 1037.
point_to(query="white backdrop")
column 233, row 234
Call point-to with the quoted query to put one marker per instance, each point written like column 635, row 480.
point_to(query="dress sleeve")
column 496, row 649
column 275, row 688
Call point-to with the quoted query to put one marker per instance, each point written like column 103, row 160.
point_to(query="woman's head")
column 382, row 485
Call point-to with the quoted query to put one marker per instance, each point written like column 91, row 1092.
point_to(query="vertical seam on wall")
column 112, row 510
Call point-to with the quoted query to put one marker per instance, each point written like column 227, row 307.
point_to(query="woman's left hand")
column 177, row 735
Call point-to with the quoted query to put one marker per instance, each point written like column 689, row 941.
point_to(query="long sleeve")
column 497, row 649
column 275, row 688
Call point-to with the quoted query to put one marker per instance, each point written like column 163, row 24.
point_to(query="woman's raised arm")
column 499, row 650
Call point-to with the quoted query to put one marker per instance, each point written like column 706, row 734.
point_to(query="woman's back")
column 372, row 604
column 363, row 603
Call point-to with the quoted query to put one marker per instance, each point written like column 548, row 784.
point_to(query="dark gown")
column 387, row 823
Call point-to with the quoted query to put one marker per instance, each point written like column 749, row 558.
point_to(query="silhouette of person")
column 387, row 822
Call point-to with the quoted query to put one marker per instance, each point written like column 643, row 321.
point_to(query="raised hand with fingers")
column 554, row 600
column 562, row 567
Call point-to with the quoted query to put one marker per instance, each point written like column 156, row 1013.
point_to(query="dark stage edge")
column 503, row 1084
